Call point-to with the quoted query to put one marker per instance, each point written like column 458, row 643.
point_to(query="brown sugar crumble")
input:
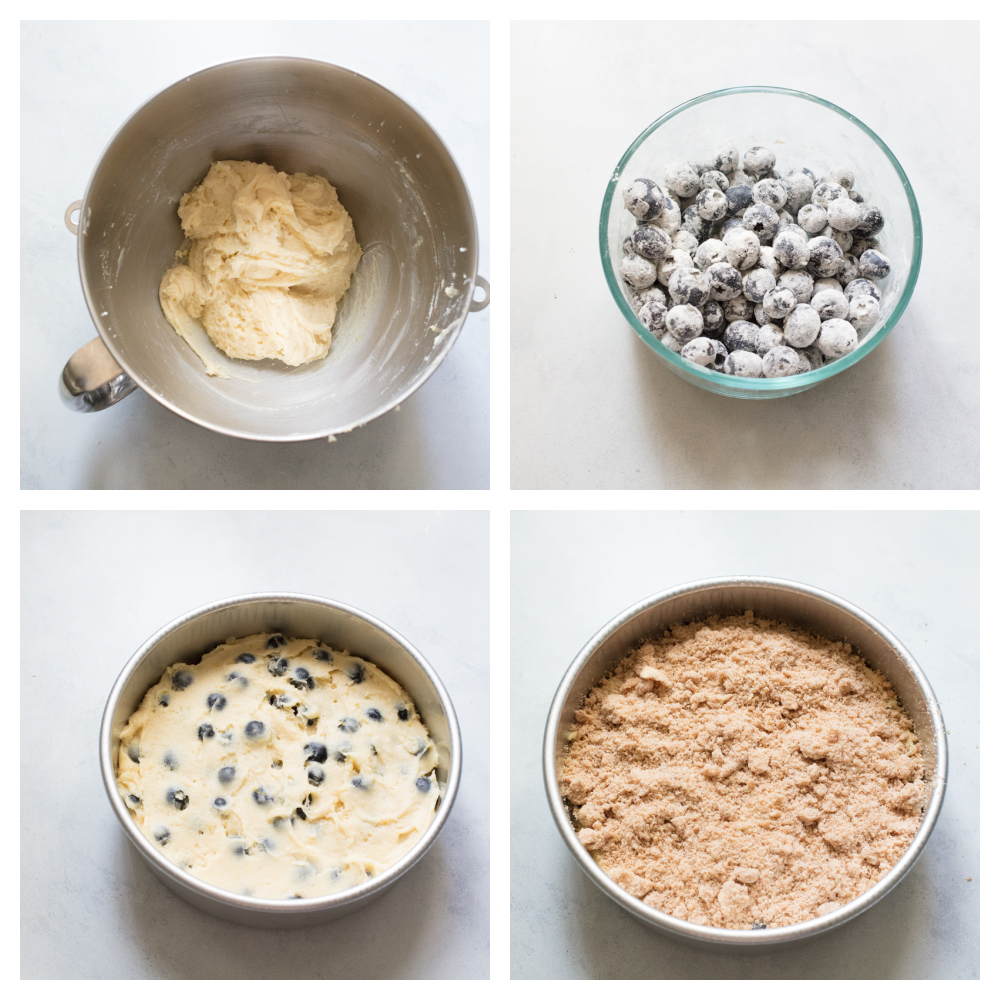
column 740, row 773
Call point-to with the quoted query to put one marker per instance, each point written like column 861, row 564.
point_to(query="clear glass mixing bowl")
column 802, row 131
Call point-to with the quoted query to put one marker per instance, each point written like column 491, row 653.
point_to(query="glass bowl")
column 802, row 131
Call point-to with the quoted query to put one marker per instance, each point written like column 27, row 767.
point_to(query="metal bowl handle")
column 92, row 380
column 475, row 306
column 70, row 224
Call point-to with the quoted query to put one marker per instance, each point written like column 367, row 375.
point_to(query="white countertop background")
column 95, row 586
column 916, row 573
column 592, row 407
column 79, row 82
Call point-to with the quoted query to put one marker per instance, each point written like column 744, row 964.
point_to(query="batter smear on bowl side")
column 268, row 257
column 279, row 768
column 740, row 773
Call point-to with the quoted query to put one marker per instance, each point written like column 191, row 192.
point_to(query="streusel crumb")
column 740, row 773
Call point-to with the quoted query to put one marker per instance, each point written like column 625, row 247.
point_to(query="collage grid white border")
column 500, row 500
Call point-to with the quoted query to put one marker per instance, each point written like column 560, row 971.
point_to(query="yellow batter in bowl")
column 268, row 257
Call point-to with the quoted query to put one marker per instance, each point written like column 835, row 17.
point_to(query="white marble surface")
column 79, row 82
column 916, row 573
column 97, row 585
column 592, row 407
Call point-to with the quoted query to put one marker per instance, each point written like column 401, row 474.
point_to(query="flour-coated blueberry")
column 757, row 283
column 758, row 160
column 837, row 338
column 873, row 265
column 870, row 222
column 727, row 158
column 843, row 214
column 711, row 204
column 643, row 198
column 714, row 179
column 769, row 192
column 713, row 316
column 688, row 286
column 762, row 221
column 862, row 286
column 800, row 282
column 743, row 364
column 780, row 362
column 768, row 338
column 681, row 179
column 741, row 336
column 825, row 257
column 742, row 248
column 725, row 282
column 798, row 191
column 824, row 193
column 651, row 243
column 791, row 249
column 739, row 197
column 740, row 308
column 830, row 303
column 802, row 326
column 709, row 253
column 862, row 312
column 637, row 271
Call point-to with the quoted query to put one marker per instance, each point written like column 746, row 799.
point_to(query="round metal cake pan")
column 815, row 611
column 341, row 627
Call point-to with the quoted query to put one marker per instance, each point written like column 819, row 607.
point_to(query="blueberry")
column 234, row 676
column 349, row 725
column 254, row 729
column 338, row 756
column 423, row 784
column 261, row 797
column 358, row 782
column 133, row 753
column 275, row 641
column 170, row 760
column 357, row 672
column 315, row 775
column 246, row 658
column 164, row 699
column 758, row 925
column 177, row 798
column 277, row 666
column 301, row 814
column 216, row 700
column 316, row 752
column 227, row 774
column 302, row 679
column 134, row 799
column 374, row 714
column 739, row 197
column 181, row 680
column 239, row 850
column 161, row 835
column 219, row 803
column 205, row 730
column 321, row 654
column 421, row 747
column 403, row 714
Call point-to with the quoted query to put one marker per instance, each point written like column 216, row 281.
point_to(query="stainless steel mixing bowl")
column 412, row 216
column 341, row 627
column 814, row 610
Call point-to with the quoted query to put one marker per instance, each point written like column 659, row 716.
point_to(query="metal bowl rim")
column 720, row 936
column 313, row 905
column 396, row 400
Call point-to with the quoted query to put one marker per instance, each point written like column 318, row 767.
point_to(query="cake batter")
column 268, row 257
column 279, row 768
